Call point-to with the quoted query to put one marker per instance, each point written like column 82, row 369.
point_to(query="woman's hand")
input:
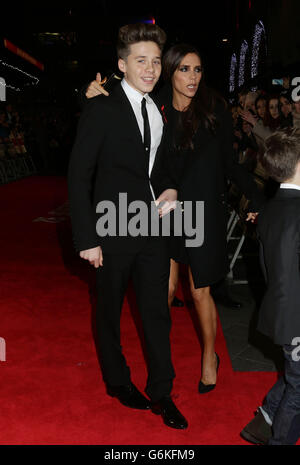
column 95, row 88
column 168, row 201
column 251, row 216
column 247, row 116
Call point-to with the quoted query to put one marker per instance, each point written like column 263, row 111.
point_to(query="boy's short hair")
column 139, row 32
column 282, row 154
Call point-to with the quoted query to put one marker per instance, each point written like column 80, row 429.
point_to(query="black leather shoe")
column 227, row 301
column 204, row 388
column 170, row 413
column 129, row 396
column 177, row 302
column 258, row 431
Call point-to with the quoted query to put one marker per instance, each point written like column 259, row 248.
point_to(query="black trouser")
column 282, row 402
column 149, row 270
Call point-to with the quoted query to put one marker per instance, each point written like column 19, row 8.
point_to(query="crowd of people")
column 182, row 144
column 12, row 130
column 256, row 115
column 15, row 161
column 43, row 137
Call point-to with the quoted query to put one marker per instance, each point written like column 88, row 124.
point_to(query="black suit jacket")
column 279, row 234
column 108, row 158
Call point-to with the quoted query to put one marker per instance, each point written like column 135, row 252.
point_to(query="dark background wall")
column 87, row 41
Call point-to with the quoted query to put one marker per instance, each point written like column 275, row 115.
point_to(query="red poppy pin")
column 163, row 113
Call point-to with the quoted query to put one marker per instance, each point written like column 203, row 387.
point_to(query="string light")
column 243, row 52
column 20, row 71
column 258, row 36
column 233, row 66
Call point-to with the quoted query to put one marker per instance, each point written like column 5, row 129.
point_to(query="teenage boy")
column 117, row 150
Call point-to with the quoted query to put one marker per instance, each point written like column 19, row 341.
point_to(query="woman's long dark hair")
column 272, row 123
column 201, row 110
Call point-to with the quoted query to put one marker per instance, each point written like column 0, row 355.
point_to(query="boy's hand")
column 94, row 256
column 95, row 88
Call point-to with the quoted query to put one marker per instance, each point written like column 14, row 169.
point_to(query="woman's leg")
column 173, row 281
column 207, row 315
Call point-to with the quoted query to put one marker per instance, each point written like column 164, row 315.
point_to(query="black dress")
column 201, row 174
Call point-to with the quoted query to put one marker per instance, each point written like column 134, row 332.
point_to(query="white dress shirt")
column 155, row 120
column 286, row 185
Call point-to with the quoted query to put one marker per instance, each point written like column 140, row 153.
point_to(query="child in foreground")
column 277, row 421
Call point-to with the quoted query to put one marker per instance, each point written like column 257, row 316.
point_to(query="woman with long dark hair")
column 272, row 116
column 199, row 158
column 285, row 108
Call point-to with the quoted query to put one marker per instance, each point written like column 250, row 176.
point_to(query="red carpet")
column 51, row 386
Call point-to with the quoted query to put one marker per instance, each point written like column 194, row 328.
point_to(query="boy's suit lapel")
column 130, row 119
column 132, row 128
column 162, row 111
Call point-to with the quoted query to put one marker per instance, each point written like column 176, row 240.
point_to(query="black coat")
column 201, row 175
column 279, row 233
column 108, row 158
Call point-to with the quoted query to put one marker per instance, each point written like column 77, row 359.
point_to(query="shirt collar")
column 133, row 93
column 286, row 185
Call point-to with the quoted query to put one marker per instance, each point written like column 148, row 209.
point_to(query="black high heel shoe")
column 204, row 388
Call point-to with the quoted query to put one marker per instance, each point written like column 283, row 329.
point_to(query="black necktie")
column 147, row 133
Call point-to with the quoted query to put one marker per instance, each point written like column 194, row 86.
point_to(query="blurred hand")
column 247, row 116
column 251, row 216
column 168, row 201
column 94, row 256
column 95, row 88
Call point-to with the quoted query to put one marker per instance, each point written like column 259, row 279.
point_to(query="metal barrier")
column 15, row 164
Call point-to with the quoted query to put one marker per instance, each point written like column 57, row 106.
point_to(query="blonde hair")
column 250, row 99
